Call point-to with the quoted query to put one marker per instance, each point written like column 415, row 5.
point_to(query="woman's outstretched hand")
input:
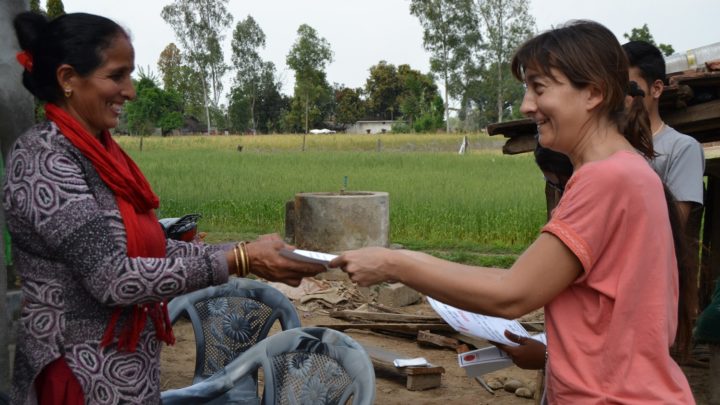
column 367, row 266
column 266, row 262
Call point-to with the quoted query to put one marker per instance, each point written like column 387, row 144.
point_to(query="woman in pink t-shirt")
column 604, row 266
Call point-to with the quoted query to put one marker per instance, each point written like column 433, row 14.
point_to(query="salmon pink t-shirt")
column 609, row 332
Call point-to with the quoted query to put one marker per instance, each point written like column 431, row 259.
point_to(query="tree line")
column 470, row 43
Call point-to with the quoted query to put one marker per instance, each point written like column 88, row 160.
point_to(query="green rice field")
column 481, row 207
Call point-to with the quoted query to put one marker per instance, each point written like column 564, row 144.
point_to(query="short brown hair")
column 589, row 54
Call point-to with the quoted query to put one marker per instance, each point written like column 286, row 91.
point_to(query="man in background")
column 681, row 161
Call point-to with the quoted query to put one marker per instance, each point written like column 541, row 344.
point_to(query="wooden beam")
column 471, row 341
column 699, row 79
column 514, row 128
column 425, row 337
column 520, row 144
column 395, row 327
column 417, row 378
column 675, row 97
column 700, row 117
column 714, row 375
column 710, row 260
column 384, row 317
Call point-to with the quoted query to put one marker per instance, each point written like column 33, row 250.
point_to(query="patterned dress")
column 70, row 252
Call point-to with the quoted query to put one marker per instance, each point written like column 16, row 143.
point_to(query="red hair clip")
column 25, row 59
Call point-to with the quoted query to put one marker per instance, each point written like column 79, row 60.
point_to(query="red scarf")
column 136, row 202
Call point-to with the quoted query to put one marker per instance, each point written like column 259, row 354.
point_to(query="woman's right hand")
column 266, row 262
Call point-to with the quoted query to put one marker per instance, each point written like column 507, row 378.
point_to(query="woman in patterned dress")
column 95, row 266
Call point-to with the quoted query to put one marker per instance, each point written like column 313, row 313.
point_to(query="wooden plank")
column 417, row 378
column 471, row 341
column 425, row 337
column 700, row 117
column 699, row 79
column 395, row 327
column 520, row 144
column 714, row 375
column 381, row 307
column 384, row 317
column 513, row 128
column 710, row 260
column 675, row 97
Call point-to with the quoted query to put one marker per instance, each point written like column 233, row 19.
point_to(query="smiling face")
column 558, row 108
column 97, row 99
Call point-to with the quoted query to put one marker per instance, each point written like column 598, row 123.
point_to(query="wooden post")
column 714, row 373
column 16, row 115
column 710, row 269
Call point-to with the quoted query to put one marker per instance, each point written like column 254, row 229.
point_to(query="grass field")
column 481, row 207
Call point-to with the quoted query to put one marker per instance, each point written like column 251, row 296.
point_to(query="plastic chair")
column 308, row 366
column 227, row 321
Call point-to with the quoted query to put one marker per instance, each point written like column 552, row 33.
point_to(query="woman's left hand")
column 529, row 354
column 367, row 266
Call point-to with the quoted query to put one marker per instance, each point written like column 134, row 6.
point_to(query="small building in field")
column 370, row 127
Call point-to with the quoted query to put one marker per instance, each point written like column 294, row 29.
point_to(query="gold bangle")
column 246, row 259
column 242, row 272
column 237, row 261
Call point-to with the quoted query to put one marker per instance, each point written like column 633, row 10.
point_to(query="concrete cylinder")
column 333, row 222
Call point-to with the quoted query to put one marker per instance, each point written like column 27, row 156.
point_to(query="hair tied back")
column 635, row 90
column 25, row 59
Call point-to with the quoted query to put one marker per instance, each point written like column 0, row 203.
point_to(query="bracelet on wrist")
column 244, row 267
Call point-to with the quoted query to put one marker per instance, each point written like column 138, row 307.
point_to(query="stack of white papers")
column 416, row 362
column 308, row 256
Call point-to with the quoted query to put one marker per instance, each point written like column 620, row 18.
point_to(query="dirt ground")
column 456, row 388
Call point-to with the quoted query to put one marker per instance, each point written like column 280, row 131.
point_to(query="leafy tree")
column 480, row 102
column 418, row 95
column 312, row 103
column 349, row 106
column 199, row 26
column 259, row 107
column 238, row 110
column 507, row 24
column 55, row 8
column 181, row 79
column 153, row 107
column 271, row 104
column 170, row 65
column 451, row 35
column 308, row 57
column 643, row 34
column 247, row 39
column 383, row 89
column 431, row 119
column 36, row 7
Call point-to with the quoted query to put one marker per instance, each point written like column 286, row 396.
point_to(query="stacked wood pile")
column 425, row 330
column 691, row 103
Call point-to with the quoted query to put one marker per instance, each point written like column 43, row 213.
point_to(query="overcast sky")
column 363, row 32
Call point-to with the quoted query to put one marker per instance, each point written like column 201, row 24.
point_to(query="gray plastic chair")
column 228, row 320
column 307, row 366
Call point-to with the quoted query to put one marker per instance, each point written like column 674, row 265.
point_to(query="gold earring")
column 68, row 92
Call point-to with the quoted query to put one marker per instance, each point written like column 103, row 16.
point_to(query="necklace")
column 662, row 125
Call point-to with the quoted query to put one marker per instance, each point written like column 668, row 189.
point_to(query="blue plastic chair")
column 228, row 320
column 307, row 366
